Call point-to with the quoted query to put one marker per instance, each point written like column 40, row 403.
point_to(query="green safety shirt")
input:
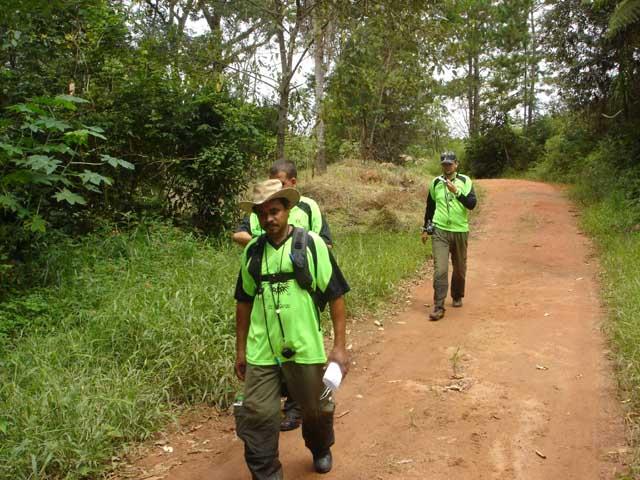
column 305, row 214
column 449, row 211
column 300, row 329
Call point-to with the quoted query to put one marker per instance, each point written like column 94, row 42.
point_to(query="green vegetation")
column 614, row 223
column 119, row 114
column 138, row 322
column 374, row 263
column 126, row 326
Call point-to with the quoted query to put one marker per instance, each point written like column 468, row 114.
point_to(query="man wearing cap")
column 306, row 214
column 450, row 197
column 278, row 334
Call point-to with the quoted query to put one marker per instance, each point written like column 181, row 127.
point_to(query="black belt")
column 279, row 277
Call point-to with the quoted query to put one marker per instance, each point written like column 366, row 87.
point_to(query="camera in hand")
column 288, row 352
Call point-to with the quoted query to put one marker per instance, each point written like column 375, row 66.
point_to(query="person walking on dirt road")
column 287, row 275
column 305, row 214
column 451, row 196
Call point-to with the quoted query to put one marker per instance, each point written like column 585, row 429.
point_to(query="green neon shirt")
column 450, row 214
column 298, row 313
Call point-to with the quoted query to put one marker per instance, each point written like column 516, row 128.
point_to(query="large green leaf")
column 43, row 163
column 54, row 147
column 53, row 124
column 9, row 202
column 68, row 196
column 68, row 102
column 95, row 178
column 81, row 136
column 77, row 137
column 117, row 162
column 36, row 224
column 21, row 108
column 11, row 150
column 71, row 98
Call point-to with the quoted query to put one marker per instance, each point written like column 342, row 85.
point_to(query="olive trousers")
column 258, row 418
column 443, row 244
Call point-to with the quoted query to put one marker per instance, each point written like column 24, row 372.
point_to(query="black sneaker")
column 289, row 423
column 323, row 463
column 437, row 314
column 457, row 302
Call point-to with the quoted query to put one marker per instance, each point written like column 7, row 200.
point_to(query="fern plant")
column 626, row 14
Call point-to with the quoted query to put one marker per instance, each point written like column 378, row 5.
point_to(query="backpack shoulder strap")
column 306, row 208
column 299, row 258
column 255, row 253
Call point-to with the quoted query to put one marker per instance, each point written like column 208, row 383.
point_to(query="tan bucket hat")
column 269, row 190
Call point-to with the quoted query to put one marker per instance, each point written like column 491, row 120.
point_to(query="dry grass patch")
column 362, row 196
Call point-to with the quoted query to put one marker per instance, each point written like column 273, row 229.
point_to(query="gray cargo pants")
column 444, row 243
column 258, row 419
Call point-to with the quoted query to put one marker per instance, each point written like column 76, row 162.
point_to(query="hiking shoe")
column 437, row 314
column 457, row 302
column 274, row 476
column 323, row 463
column 289, row 423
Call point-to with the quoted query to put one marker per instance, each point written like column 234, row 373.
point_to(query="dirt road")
column 514, row 385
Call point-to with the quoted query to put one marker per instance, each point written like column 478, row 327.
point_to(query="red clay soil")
column 516, row 384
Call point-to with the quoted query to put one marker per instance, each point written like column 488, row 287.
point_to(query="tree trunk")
column 534, row 69
column 473, row 93
column 284, row 84
column 476, row 93
column 283, row 112
column 470, row 93
column 320, row 166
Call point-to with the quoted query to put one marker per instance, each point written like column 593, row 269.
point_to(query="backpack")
column 301, row 273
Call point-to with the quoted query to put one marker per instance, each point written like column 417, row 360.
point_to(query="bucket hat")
column 269, row 190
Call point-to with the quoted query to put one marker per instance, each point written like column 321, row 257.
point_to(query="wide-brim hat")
column 269, row 190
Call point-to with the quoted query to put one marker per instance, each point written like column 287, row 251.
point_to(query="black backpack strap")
column 302, row 240
column 306, row 208
column 255, row 253
column 315, row 294
column 299, row 258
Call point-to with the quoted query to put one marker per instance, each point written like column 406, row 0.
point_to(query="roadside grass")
column 134, row 325
column 143, row 321
column 375, row 263
column 616, row 231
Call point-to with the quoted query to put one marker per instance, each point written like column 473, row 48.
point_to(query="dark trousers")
column 443, row 244
column 258, row 419
column 291, row 409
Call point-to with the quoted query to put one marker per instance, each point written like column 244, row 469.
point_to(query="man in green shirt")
column 278, row 334
column 451, row 196
column 305, row 214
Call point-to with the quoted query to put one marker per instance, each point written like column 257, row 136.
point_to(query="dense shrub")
column 565, row 149
column 51, row 164
column 490, row 153
column 502, row 148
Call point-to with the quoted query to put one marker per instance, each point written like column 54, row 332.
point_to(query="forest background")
column 126, row 137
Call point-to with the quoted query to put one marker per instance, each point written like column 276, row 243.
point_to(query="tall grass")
column 140, row 321
column 612, row 224
column 134, row 324
column 374, row 263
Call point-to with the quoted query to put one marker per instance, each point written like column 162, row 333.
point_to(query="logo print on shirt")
column 280, row 288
